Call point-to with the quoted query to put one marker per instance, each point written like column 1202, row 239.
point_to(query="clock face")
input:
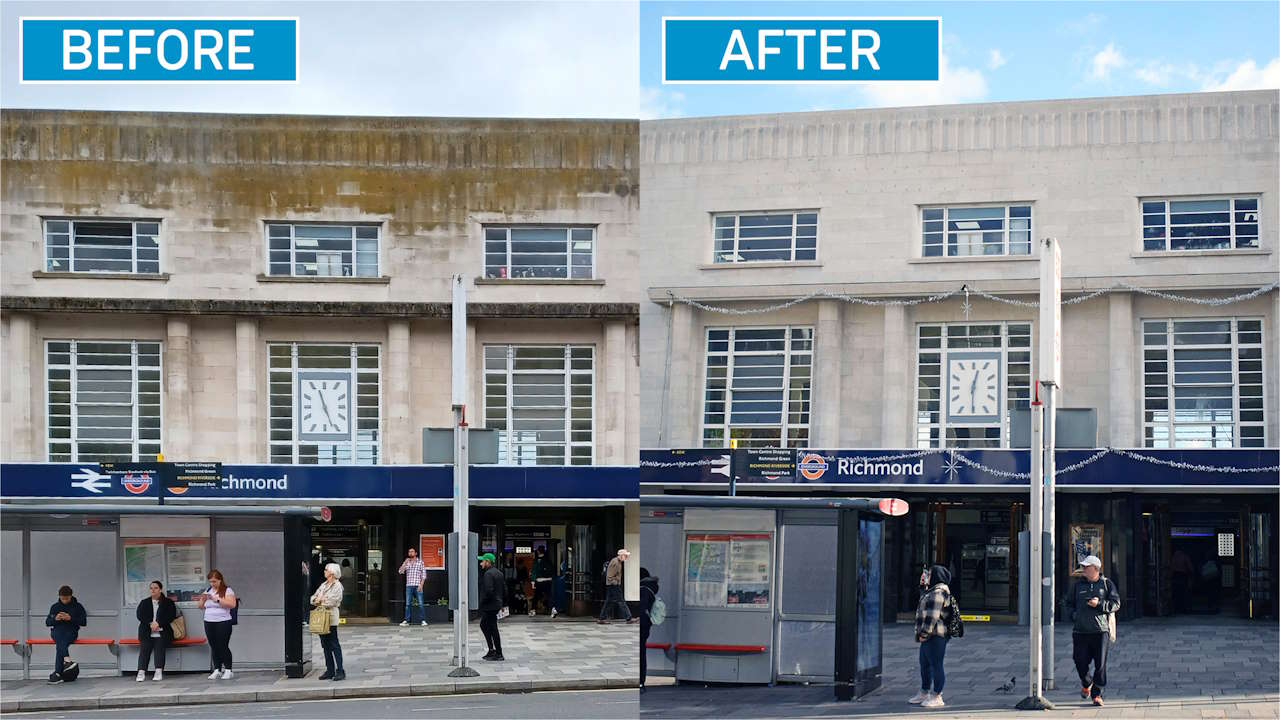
column 973, row 387
column 324, row 407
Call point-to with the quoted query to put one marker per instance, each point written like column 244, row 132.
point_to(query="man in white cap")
column 1095, row 599
column 613, row 589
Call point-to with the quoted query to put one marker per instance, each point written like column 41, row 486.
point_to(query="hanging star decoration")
column 952, row 466
column 966, row 307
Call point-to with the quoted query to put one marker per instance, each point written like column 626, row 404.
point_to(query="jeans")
column 411, row 592
column 644, row 652
column 1086, row 648
column 932, row 674
column 541, row 591
column 62, row 641
column 219, row 636
column 332, row 650
column 613, row 596
column 147, row 647
column 489, row 626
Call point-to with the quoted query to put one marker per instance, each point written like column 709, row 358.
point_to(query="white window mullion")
column 728, row 387
column 566, row 377
column 133, row 400
column 784, row 425
column 75, row 402
column 511, row 394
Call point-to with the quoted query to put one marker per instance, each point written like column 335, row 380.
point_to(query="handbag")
column 951, row 614
column 179, row 627
column 319, row 621
column 1111, row 627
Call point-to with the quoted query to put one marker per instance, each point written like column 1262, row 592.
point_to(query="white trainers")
column 142, row 675
column 159, row 675
column 553, row 612
column 216, row 674
column 424, row 623
column 919, row 697
column 226, row 674
column 933, row 701
column 404, row 623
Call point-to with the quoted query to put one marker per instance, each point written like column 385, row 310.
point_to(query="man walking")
column 613, row 590
column 491, row 587
column 1095, row 600
column 415, row 575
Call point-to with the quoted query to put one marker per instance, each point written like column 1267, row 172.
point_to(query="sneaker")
column 326, row 675
column 158, row 676
column 487, row 655
column 404, row 623
column 54, row 678
column 497, row 657
column 142, row 675
column 226, row 674
column 553, row 612
column 340, row 676
column 69, row 665
column 919, row 697
column 602, row 622
column 1084, row 692
column 216, row 674
column 933, row 701
column 633, row 621
column 1098, row 701
column 424, row 623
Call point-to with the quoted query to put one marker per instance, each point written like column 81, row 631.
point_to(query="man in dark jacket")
column 1094, row 598
column 648, row 595
column 491, row 597
column 65, row 619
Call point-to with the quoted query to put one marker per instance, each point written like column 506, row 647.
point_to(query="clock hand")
column 325, row 408
column 973, row 389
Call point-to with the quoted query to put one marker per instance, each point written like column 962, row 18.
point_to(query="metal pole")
column 461, row 485
column 1050, row 467
column 1036, row 701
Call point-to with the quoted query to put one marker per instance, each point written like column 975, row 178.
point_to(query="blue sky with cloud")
column 1002, row 51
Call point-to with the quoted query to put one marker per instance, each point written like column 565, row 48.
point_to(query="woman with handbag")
column 325, row 602
column 156, row 614
column 932, row 634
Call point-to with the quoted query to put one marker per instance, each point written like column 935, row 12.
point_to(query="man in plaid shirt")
column 415, row 575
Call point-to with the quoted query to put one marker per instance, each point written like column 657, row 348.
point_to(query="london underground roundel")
column 136, row 483
column 813, row 466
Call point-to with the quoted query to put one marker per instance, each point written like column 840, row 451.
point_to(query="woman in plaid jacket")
column 931, row 633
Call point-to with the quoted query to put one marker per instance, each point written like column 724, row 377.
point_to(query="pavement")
column 381, row 661
column 550, row 705
column 1161, row 668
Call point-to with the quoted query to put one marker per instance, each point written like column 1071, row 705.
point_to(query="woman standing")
column 931, row 633
column 217, row 603
column 329, row 595
column 155, row 632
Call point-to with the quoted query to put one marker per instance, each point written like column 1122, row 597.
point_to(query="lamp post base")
column 1032, row 702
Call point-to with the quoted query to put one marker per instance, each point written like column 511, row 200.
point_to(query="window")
column 325, row 404
column 765, row 237
column 758, row 384
column 104, row 246
column 103, row 400
column 1201, row 224
column 1202, row 383
column 541, row 400
column 968, row 378
column 539, row 252
column 976, row 231
column 322, row 250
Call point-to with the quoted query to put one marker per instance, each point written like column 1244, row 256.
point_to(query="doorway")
column 357, row 549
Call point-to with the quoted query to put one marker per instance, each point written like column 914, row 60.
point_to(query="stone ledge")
column 308, row 280
column 762, row 264
column 971, row 259
column 1246, row 252
column 45, row 275
column 539, row 281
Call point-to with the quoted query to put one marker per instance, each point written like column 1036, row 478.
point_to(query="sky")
column 601, row 59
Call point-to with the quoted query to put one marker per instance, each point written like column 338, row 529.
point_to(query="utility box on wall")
column 437, row 446
column 1077, row 429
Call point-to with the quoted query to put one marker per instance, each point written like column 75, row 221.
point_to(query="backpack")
column 951, row 616
column 604, row 573
column 235, row 612
column 657, row 613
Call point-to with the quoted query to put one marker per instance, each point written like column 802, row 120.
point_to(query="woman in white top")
column 217, row 603
column 329, row 595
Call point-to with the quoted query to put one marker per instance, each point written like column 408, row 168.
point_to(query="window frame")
column 293, row 248
column 1170, row 385
column 785, row 425
column 795, row 214
column 1232, row 239
column 1005, row 243
column 73, row 403
column 71, row 244
column 567, row 374
column 354, row 443
column 569, row 253
column 943, row 350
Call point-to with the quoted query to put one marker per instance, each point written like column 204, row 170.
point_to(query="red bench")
column 81, row 641
column 700, row 647
column 8, row 642
column 184, row 642
column 657, row 646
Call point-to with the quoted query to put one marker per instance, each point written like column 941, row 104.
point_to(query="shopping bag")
column 179, row 627
column 504, row 612
column 319, row 621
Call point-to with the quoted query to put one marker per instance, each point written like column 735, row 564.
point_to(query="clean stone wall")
column 1082, row 164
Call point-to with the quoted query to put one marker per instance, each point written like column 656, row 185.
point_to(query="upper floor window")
column 540, row 252
column 1202, row 383
column 325, row 404
column 103, row 400
column 968, row 378
column 541, row 401
column 976, row 231
column 105, row 246
column 1200, row 224
column 322, row 250
column 766, row 237
column 758, row 385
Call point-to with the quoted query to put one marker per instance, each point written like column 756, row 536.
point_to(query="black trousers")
column 149, row 646
column 613, row 598
column 489, row 626
column 644, row 652
column 332, row 650
column 62, row 641
column 541, row 591
column 219, row 636
column 1087, row 648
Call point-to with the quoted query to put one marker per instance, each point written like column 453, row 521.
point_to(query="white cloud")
column 1106, row 60
column 1084, row 25
column 1248, row 76
column 996, row 60
column 955, row 85
column 657, row 102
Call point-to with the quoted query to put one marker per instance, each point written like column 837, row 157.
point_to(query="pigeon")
column 1008, row 687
